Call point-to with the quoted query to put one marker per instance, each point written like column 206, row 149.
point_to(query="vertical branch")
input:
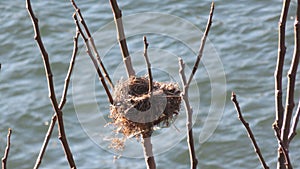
column 148, row 64
column 88, row 50
column 203, row 40
column 285, row 131
column 249, row 131
column 58, row 112
column 121, row 37
column 91, row 39
column 61, row 104
column 5, row 156
column 189, row 114
column 148, row 154
column 295, row 123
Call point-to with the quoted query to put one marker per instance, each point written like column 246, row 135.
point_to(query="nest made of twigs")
column 136, row 111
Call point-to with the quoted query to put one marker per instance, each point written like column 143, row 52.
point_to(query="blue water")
column 242, row 50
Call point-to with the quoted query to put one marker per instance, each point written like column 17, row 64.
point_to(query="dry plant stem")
column 58, row 112
column 282, row 148
column 61, row 104
column 280, row 62
column 148, row 154
column 189, row 114
column 121, row 37
column 249, row 131
column 295, row 123
column 285, row 131
column 5, row 156
column 203, row 40
column 88, row 50
column 91, row 39
column 148, row 64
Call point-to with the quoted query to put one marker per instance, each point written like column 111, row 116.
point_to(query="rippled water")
column 243, row 36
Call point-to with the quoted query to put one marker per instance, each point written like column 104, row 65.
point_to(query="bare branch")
column 282, row 148
column 289, row 106
column 61, row 104
column 295, row 123
column 121, row 37
column 88, row 50
column 5, row 156
column 203, row 40
column 148, row 64
column 58, row 112
column 148, row 154
column 189, row 114
column 91, row 39
column 249, row 131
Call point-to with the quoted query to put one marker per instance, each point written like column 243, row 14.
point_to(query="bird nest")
column 136, row 111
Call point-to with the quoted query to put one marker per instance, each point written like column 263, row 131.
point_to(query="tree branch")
column 61, row 104
column 121, row 37
column 189, row 114
column 148, row 64
column 91, row 39
column 249, row 131
column 203, row 40
column 295, row 123
column 6, row 152
column 88, row 50
column 58, row 112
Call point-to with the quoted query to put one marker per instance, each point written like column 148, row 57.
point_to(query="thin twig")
column 91, row 39
column 148, row 64
column 61, row 104
column 282, row 148
column 7, row 148
column 121, row 37
column 295, row 123
column 289, row 106
column 278, row 75
column 58, row 112
column 88, row 50
column 189, row 114
column 249, row 131
column 148, row 154
column 203, row 40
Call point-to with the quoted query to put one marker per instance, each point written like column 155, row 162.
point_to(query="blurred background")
column 243, row 37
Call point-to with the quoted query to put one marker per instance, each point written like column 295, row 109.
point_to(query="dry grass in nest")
column 135, row 111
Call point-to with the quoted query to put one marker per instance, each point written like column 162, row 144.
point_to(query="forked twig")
column 203, row 40
column 249, row 131
column 148, row 64
column 58, row 112
column 189, row 114
column 61, row 104
column 121, row 37
column 289, row 106
column 7, row 148
column 91, row 39
column 88, row 50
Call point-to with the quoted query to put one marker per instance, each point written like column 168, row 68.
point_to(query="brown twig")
column 7, row 148
column 88, row 50
column 249, row 131
column 295, row 123
column 285, row 131
column 148, row 64
column 58, row 112
column 189, row 114
column 282, row 148
column 278, row 75
column 148, row 154
column 91, row 39
column 61, row 104
column 203, row 40
column 121, row 37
